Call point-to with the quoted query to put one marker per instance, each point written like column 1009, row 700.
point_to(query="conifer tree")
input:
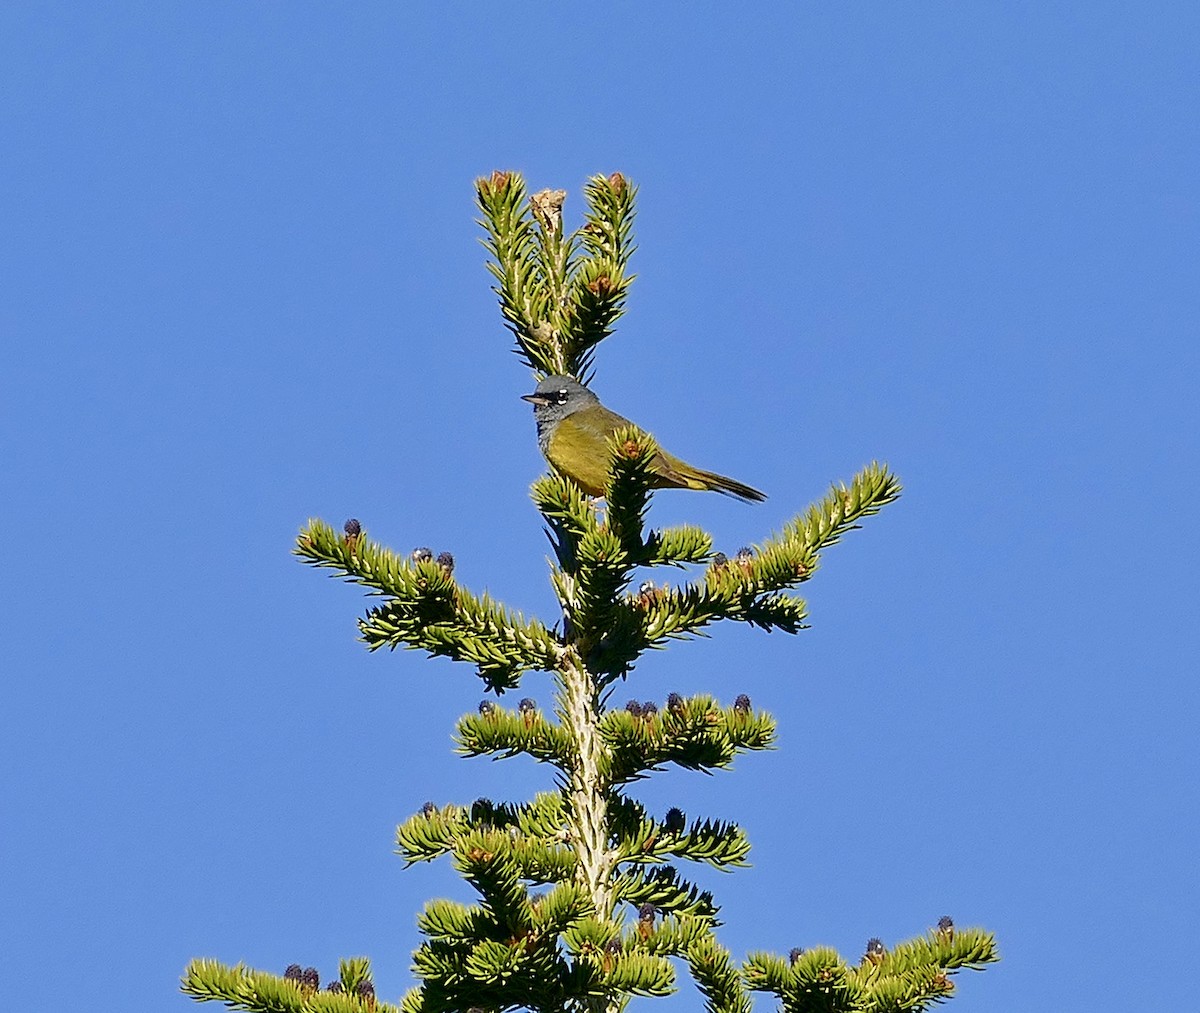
column 581, row 904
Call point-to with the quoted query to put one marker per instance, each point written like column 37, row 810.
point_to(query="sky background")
column 240, row 286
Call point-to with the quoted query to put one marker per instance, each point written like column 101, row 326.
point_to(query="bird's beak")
column 535, row 399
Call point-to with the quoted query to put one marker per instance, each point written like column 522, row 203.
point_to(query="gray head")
column 557, row 397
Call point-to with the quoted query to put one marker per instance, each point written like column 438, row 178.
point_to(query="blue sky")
column 241, row 287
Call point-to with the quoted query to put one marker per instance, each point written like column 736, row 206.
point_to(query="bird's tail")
column 730, row 487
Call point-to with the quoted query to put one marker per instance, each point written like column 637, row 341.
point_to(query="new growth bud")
column 602, row 286
column 646, row 913
column 648, row 593
column 497, row 181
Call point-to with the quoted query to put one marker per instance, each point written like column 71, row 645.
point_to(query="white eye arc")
column 562, row 395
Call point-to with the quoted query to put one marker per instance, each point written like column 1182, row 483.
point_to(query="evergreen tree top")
column 581, row 904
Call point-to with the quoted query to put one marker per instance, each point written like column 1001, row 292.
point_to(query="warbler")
column 573, row 430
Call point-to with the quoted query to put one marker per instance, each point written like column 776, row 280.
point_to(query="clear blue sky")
column 240, row 286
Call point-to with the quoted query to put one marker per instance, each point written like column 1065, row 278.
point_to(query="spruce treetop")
column 581, row 902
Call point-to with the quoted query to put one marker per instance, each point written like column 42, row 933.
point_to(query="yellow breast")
column 579, row 451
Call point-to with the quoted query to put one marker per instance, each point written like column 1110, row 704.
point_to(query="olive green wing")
column 578, row 447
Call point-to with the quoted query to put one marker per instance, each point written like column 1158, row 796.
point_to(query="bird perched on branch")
column 573, row 432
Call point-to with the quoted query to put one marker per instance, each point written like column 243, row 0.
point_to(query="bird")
column 573, row 430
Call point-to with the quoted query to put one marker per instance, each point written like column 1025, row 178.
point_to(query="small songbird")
column 573, row 431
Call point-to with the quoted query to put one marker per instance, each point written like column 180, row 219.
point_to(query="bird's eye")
column 562, row 396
